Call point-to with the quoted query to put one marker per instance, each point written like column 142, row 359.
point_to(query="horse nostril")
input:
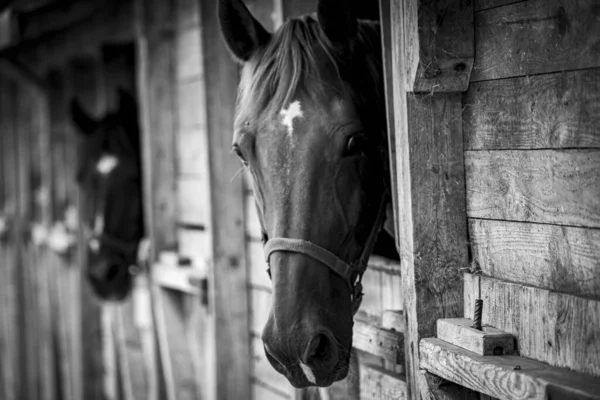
column 321, row 352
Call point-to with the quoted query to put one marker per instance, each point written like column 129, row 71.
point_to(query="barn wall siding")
column 532, row 165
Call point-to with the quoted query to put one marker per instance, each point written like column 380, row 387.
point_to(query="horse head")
column 310, row 127
column 109, row 175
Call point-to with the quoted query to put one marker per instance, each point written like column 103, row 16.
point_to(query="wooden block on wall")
column 373, row 339
column 486, row 342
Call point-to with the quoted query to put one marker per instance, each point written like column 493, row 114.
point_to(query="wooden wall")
column 532, row 162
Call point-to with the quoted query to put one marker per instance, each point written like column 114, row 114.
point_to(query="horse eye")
column 354, row 145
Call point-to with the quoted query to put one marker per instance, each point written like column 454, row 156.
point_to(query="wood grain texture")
column 229, row 297
column 479, row 5
column 552, row 257
column 438, row 44
column 559, row 110
column 500, row 377
column 557, row 187
column 488, row 341
column 536, row 36
column 384, row 343
column 432, row 218
column 378, row 384
column 559, row 329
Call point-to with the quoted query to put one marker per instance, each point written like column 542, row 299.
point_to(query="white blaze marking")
column 289, row 114
column 308, row 372
column 107, row 163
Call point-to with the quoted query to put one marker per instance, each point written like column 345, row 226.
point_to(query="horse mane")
column 278, row 69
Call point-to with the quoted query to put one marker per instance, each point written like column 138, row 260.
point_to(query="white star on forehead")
column 107, row 163
column 288, row 115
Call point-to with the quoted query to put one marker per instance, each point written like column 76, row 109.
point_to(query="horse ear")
column 241, row 31
column 82, row 119
column 339, row 23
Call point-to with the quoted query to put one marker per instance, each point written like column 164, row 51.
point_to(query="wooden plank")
column 263, row 372
column 552, row 257
column 192, row 210
column 191, row 152
column 438, row 44
column 535, row 37
column 432, row 220
column 378, row 384
column 252, row 222
column 11, row 346
column 189, row 59
column 85, row 75
column 257, row 268
column 229, row 297
column 480, row 5
column 187, row 14
column 191, row 105
column 535, row 112
column 371, row 306
column 549, row 186
column 551, row 327
column 260, row 307
column 195, row 245
column 373, row 339
column 261, row 392
column 488, row 341
column 505, row 377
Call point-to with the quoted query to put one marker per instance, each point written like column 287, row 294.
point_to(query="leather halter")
column 352, row 272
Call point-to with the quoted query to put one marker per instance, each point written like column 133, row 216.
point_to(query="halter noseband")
column 351, row 273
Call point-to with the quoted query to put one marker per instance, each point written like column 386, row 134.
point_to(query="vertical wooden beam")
column 432, row 53
column 10, row 345
column 85, row 75
column 228, row 274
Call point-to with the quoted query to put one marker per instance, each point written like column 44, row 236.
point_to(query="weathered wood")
column 191, row 152
column 156, row 46
column 191, row 105
column 437, row 44
column 479, row 5
column 563, row 259
column 258, row 266
column 263, row 372
column 431, row 215
column 380, row 342
column 378, row 384
column 192, row 210
column 552, row 327
column 536, row 112
column 505, row 377
column 11, row 344
column 535, row 37
column 486, row 342
column 393, row 320
column 85, row 75
column 560, row 187
column 260, row 306
column 262, row 392
column 229, row 297
column 252, row 223
column 189, row 58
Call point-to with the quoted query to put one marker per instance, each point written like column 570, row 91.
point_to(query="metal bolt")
column 477, row 314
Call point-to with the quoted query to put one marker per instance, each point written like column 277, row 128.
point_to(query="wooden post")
column 228, row 274
column 430, row 54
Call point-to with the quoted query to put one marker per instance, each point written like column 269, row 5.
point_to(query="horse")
column 109, row 175
column 310, row 127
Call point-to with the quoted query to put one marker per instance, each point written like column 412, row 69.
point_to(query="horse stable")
column 293, row 199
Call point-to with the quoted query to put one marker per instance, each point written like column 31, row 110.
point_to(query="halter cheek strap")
column 351, row 273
